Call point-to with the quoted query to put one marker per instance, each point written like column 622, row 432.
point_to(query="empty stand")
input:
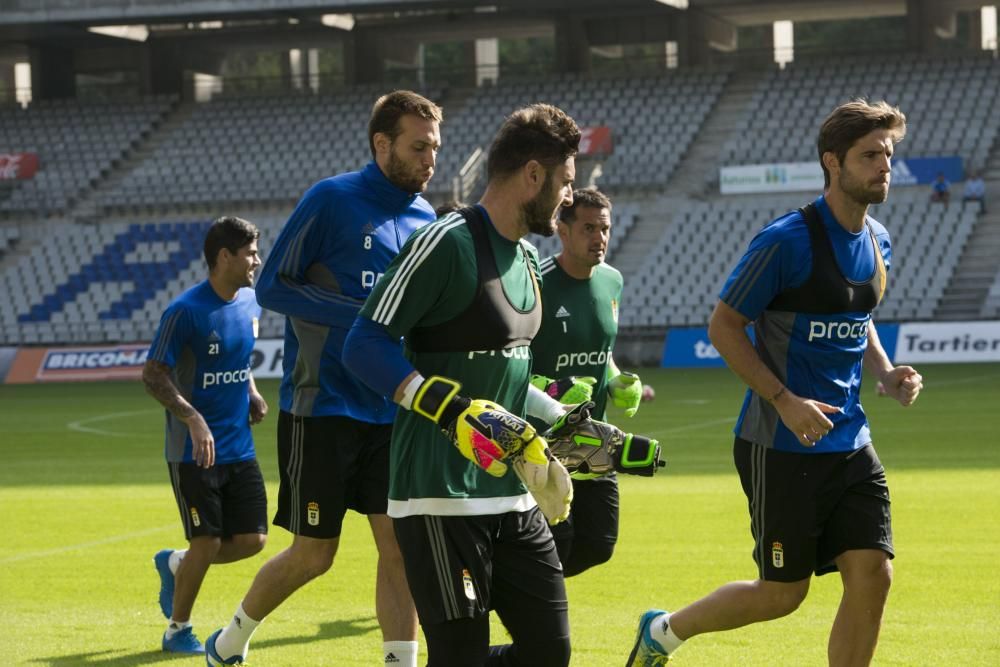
column 250, row 149
column 77, row 143
column 679, row 282
column 950, row 106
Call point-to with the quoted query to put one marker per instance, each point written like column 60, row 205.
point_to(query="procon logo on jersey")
column 224, row 377
column 594, row 358
column 369, row 278
column 838, row 330
column 520, row 352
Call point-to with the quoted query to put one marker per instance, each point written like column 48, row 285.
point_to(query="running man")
column 463, row 294
column 199, row 370
column 333, row 431
column 817, row 492
column 573, row 363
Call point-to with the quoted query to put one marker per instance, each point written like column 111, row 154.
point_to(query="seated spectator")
column 940, row 189
column 975, row 189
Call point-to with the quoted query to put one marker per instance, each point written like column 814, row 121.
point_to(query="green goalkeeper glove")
column 569, row 390
column 590, row 448
column 625, row 390
column 484, row 432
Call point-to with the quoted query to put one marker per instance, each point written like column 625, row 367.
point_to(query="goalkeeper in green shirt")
column 464, row 295
column 573, row 364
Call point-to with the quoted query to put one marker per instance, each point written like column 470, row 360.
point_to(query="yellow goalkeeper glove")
column 484, row 432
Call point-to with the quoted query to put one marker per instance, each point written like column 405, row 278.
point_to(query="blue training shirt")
column 338, row 241
column 820, row 355
column 208, row 343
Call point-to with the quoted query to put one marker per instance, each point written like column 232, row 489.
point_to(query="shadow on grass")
column 112, row 658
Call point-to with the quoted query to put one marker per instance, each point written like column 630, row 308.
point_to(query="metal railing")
column 469, row 176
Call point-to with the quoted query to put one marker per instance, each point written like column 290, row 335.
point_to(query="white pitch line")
column 34, row 555
column 79, row 425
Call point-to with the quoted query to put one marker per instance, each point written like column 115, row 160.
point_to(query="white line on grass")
column 34, row 555
column 80, row 424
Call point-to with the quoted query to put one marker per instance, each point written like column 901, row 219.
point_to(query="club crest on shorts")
column 470, row 590
column 777, row 555
column 195, row 519
column 312, row 514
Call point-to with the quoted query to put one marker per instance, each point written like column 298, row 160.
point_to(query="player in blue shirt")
column 333, row 431
column 198, row 368
column 817, row 492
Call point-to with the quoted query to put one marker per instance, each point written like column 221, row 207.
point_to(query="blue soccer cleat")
column 647, row 652
column 162, row 562
column 212, row 657
column 183, row 641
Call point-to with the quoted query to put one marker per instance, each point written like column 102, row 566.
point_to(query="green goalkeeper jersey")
column 579, row 326
column 432, row 281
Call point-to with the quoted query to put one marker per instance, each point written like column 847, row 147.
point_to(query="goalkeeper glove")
column 546, row 479
column 484, row 432
column 625, row 390
column 590, row 448
column 569, row 390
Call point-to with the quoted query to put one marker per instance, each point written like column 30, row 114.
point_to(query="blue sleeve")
column 778, row 258
column 174, row 332
column 885, row 246
column 283, row 285
column 375, row 356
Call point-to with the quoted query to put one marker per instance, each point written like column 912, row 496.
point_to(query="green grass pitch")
column 85, row 502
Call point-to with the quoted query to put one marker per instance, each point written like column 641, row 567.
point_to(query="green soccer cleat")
column 647, row 652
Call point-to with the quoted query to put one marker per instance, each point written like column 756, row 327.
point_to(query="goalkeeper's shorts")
column 464, row 566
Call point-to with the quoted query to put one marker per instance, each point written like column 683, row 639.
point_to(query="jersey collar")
column 388, row 193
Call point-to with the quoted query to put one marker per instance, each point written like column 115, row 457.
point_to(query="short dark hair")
column 447, row 207
column 853, row 120
column 389, row 108
column 228, row 232
column 584, row 198
column 538, row 132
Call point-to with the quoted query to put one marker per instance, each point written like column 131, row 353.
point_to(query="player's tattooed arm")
column 159, row 385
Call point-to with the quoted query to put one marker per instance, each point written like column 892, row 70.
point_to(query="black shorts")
column 328, row 465
column 807, row 509
column 224, row 500
column 593, row 515
column 464, row 566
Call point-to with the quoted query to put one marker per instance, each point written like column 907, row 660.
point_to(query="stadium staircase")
column 88, row 209
column 695, row 176
column 698, row 173
column 977, row 270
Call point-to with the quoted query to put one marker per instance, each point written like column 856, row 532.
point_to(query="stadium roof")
column 736, row 12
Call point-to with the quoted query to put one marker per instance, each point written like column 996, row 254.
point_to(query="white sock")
column 400, row 654
column 235, row 637
column 661, row 631
column 173, row 627
column 175, row 559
